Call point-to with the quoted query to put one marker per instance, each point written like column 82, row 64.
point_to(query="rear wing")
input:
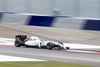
column 20, row 37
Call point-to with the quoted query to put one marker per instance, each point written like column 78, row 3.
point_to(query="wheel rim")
column 48, row 46
column 17, row 45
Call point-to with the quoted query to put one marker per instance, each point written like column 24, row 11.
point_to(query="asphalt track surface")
column 57, row 34
column 51, row 55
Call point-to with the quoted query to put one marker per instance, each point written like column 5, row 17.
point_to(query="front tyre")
column 49, row 46
column 67, row 48
column 56, row 47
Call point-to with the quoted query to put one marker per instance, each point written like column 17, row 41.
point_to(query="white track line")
column 81, row 51
column 81, row 46
column 4, row 58
column 10, row 42
column 82, row 59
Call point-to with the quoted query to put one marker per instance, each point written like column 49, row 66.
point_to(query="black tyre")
column 17, row 44
column 67, row 48
column 49, row 46
column 56, row 47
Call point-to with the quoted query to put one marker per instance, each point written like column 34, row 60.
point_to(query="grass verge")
column 39, row 64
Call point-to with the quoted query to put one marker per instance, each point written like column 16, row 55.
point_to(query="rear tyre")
column 17, row 44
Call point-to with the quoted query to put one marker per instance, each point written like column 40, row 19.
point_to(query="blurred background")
column 76, row 8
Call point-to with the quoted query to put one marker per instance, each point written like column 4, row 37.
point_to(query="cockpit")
column 35, row 38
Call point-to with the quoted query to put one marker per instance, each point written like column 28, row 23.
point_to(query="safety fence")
column 50, row 21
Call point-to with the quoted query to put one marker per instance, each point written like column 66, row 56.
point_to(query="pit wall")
column 51, row 21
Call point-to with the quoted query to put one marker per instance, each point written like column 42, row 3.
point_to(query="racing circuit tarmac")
column 52, row 55
column 89, row 37
column 57, row 34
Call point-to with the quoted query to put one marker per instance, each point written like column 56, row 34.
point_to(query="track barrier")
column 50, row 21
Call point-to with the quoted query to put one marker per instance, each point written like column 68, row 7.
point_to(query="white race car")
column 22, row 40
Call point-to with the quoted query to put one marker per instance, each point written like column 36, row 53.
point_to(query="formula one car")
column 23, row 40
